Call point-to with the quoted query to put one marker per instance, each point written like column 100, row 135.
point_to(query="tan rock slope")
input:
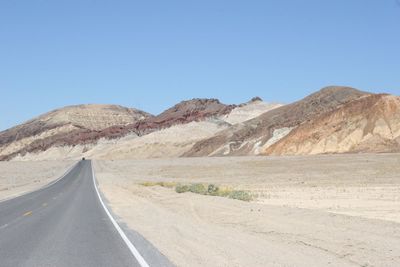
column 177, row 139
column 184, row 112
column 77, row 131
column 254, row 108
column 368, row 124
column 333, row 120
column 252, row 137
column 165, row 143
column 67, row 126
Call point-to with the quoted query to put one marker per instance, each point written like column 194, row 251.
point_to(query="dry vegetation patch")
column 162, row 184
column 204, row 189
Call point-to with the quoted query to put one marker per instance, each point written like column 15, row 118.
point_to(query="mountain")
column 66, row 126
column 335, row 119
column 252, row 137
column 184, row 112
column 368, row 124
column 183, row 126
column 74, row 131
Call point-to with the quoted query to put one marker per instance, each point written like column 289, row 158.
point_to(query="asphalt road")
column 61, row 225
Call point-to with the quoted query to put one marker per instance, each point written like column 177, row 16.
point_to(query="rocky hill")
column 67, row 126
column 169, row 134
column 368, row 124
column 333, row 120
column 255, row 135
column 182, row 113
column 80, row 128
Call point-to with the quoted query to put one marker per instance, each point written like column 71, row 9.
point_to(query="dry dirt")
column 326, row 210
column 170, row 142
column 17, row 178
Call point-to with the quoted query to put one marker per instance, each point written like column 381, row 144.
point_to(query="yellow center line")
column 27, row 213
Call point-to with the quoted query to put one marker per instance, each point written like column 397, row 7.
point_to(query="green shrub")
column 212, row 190
column 240, row 195
column 162, row 184
column 181, row 188
column 198, row 189
column 148, row 184
column 167, row 184
column 223, row 192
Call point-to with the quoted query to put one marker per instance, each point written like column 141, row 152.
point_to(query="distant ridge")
column 251, row 137
column 367, row 124
column 335, row 119
column 86, row 124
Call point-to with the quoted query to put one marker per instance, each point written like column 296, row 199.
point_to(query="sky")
column 152, row 54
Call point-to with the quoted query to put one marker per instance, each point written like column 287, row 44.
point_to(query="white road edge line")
column 43, row 187
column 131, row 247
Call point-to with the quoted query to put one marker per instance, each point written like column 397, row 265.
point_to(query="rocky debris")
column 246, row 138
column 256, row 99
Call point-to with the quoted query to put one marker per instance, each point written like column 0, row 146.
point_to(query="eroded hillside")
column 335, row 119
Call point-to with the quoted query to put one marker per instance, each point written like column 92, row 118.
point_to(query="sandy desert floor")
column 329, row 210
column 17, row 178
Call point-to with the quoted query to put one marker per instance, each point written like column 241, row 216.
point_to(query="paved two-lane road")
column 61, row 225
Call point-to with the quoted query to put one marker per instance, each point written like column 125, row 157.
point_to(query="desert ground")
column 18, row 177
column 327, row 210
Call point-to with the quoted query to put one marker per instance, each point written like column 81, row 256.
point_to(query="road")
column 64, row 224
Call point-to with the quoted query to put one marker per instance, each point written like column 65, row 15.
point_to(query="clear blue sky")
column 152, row 54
